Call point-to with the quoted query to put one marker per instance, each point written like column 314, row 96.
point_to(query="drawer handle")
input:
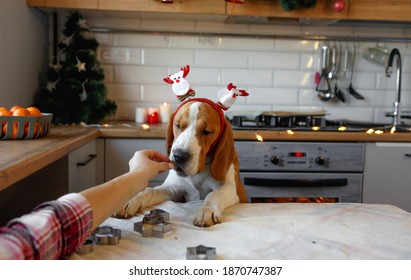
column 407, row 155
column 90, row 158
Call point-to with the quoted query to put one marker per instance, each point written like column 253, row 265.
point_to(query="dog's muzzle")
column 181, row 158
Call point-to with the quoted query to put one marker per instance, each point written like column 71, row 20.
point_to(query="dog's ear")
column 170, row 134
column 224, row 154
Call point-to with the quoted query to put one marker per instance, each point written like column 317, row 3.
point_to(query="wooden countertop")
column 21, row 158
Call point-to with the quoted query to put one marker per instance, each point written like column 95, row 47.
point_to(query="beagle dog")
column 200, row 142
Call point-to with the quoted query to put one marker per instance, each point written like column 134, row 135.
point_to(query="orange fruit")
column 3, row 109
column 15, row 107
column 33, row 111
column 21, row 112
column 5, row 113
column 14, row 132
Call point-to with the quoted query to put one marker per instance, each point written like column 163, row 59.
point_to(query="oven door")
column 279, row 187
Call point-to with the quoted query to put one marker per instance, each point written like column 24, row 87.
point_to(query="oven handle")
column 262, row 182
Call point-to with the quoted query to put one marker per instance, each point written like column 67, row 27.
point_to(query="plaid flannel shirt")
column 53, row 230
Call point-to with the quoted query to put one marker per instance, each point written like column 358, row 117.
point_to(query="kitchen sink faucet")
column 396, row 114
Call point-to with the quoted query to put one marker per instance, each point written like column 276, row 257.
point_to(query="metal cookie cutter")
column 201, row 252
column 156, row 224
column 106, row 235
column 86, row 248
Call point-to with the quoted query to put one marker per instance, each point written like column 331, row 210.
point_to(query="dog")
column 200, row 142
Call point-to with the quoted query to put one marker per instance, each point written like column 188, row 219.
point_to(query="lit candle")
column 152, row 116
column 164, row 112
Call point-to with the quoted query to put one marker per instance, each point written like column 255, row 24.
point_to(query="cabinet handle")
column 407, row 155
column 90, row 158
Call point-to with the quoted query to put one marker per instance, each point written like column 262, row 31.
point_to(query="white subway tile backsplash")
column 278, row 73
column 230, row 43
column 247, row 77
column 295, row 79
column 274, row 60
column 124, row 92
column 138, row 74
column 217, row 59
column 296, row 45
column 274, row 96
column 169, row 57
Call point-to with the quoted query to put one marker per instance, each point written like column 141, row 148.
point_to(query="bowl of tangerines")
column 23, row 123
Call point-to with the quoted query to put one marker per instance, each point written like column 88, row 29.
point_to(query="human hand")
column 149, row 163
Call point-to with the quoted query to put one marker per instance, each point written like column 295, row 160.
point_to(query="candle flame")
column 259, row 137
column 379, row 132
column 370, row 131
column 289, row 131
column 145, row 126
column 315, row 128
column 392, row 130
column 342, row 128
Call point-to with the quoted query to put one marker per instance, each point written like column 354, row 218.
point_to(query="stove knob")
column 276, row 160
column 320, row 160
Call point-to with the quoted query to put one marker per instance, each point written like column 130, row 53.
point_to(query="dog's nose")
column 181, row 156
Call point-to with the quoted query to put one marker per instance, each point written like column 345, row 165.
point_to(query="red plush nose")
column 177, row 81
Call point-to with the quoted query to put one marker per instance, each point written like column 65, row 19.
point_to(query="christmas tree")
column 75, row 90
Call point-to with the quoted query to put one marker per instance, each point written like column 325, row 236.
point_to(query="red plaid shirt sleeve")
column 53, row 230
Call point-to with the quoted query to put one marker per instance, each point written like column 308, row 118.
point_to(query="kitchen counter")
column 302, row 231
column 21, row 158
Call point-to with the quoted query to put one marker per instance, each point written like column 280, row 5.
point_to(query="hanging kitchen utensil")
column 334, row 58
column 351, row 89
column 323, row 87
column 338, row 92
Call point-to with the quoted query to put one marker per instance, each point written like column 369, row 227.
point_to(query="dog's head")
column 197, row 129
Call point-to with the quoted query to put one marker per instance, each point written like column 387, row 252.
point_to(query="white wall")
column 278, row 73
column 22, row 52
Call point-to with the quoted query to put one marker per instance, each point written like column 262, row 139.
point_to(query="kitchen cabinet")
column 380, row 10
column 270, row 8
column 119, row 151
column 84, row 164
column 182, row 6
column 387, row 176
column 69, row 4
column 48, row 183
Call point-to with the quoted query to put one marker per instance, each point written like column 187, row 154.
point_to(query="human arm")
column 57, row 228
column 107, row 198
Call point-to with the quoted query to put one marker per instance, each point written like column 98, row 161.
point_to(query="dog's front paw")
column 130, row 209
column 206, row 217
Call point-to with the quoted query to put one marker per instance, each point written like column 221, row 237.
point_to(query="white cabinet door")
column 387, row 174
column 119, row 151
column 83, row 167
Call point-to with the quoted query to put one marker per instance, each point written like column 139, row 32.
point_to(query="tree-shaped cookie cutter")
column 156, row 224
column 201, row 252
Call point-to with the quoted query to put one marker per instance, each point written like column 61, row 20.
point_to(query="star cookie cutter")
column 201, row 252
column 156, row 224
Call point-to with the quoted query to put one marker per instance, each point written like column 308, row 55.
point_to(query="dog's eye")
column 205, row 132
column 177, row 125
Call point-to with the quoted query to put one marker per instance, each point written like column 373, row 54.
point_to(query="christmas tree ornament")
column 81, row 66
column 82, row 23
column 180, row 85
column 339, row 6
column 75, row 91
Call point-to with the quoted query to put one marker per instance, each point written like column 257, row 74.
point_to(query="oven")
column 275, row 172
